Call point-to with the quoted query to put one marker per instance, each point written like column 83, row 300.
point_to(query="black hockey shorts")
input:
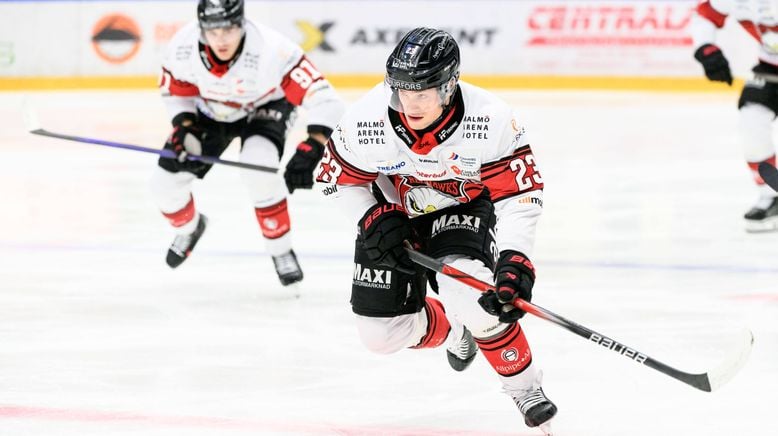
column 271, row 121
column 466, row 229
column 760, row 91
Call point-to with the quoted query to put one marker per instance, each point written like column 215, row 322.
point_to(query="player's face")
column 421, row 108
column 224, row 41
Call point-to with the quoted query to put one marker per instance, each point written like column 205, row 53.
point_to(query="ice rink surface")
column 641, row 239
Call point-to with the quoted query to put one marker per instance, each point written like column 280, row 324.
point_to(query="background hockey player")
column 758, row 102
column 446, row 165
column 225, row 77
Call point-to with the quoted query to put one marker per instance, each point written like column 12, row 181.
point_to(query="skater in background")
column 225, row 77
column 447, row 166
column 758, row 104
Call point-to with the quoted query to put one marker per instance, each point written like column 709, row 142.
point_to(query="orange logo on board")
column 116, row 38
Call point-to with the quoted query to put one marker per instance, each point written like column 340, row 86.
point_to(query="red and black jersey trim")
column 349, row 169
column 705, row 9
column 494, row 169
column 177, row 88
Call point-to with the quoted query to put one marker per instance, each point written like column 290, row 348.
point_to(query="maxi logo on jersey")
column 456, row 222
column 371, row 277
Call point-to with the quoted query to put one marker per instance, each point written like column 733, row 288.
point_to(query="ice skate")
column 533, row 404
column 287, row 268
column 462, row 352
column 763, row 217
column 183, row 245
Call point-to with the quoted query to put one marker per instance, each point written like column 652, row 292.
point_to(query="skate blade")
column 546, row 429
column 766, row 225
column 293, row 289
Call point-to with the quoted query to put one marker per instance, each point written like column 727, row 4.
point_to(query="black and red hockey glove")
column 185, row 139
column 715, row 64
column 299, row 169
column 514, row 277
column 384, row 230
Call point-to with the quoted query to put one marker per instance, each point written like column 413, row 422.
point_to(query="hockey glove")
column 299, row 170
column 383, row 230
column 185, row 139
column 715, row 64
column 513, row 278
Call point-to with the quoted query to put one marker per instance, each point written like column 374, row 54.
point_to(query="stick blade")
column 769, row 174
column 737, row 359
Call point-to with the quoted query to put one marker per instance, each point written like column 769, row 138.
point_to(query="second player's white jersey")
column 480, row 146
column 268, row 67
column 758, row 17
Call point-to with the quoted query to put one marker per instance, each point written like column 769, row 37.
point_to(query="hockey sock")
column 184, row 217
column 508, row 353
column 754, row 166
column 273, row 220
column 437, row 325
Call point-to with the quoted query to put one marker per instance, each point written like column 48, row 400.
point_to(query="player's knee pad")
column 264, row 188
column 382, row 292
column 755, row 125
column 171, row 191
column 387, row 335
column 461, row 300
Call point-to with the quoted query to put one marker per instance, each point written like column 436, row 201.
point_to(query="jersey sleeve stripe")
column 492, row 169
column 351, row 169
column 705, row 9
column 178, row 88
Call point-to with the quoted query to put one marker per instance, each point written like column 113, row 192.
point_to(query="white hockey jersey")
column 758, row 17
column 268, row 67
column 479, row 145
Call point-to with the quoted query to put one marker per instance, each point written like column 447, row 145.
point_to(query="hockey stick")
column 708, row 381
column 769, row 174
column 34, row 128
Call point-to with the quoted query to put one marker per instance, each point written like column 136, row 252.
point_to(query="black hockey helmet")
column 213, row 14
column 424, row 58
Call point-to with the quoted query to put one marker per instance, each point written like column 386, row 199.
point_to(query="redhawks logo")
column 510, row 355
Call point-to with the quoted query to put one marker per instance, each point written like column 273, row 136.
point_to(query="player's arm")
column 516, row 188
column 710, row 16
column 179, row 97
column 383, row 227
column 304, row 85
column 347, row 176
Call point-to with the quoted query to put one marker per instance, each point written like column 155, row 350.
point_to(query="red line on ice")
column 94, row 416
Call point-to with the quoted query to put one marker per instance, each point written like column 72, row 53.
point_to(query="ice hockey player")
column 447, row 166
column 758, row 102
column 225, row 77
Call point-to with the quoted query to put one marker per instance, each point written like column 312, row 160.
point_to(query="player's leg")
column 171, row 187
column 392, row 309
column 758, row 106
column 463, row 237
column 262, row 144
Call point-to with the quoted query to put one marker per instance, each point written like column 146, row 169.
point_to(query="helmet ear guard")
column 446, row 91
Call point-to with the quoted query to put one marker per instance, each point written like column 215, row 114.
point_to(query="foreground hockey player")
column 225, row 77
column 758, row 102
column 445, row 165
